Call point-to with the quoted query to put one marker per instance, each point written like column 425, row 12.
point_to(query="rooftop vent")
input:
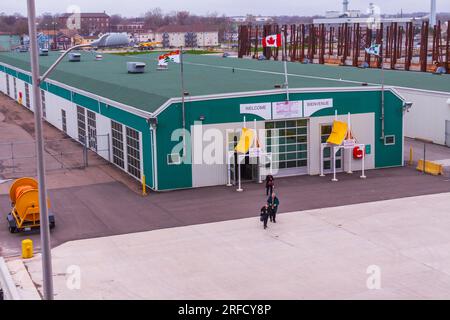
column 135, row 67
column 74, row 57
column 43, row 52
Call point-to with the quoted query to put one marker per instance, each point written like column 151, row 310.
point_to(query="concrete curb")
column 7, row 285
column 22, row 281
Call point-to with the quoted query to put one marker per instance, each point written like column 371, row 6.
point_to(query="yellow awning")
column 246, row 141
column 338, row 133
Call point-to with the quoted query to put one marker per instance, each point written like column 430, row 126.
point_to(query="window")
column 15, row 88
column 389, row 140
column 8, row 89
column 81, row 117
column 27, row 95
column 288, row 143
column 117, row 144
column 44, row 109
column 64, row 120
column 173, row 158
column 92, row 130
column 133, row 153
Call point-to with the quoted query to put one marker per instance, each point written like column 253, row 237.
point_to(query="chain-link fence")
column 19, row 157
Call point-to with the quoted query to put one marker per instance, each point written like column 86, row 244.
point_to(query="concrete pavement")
column 107, row 209
column 313, row 254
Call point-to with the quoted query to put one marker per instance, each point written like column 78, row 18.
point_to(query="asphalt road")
column 111, row 208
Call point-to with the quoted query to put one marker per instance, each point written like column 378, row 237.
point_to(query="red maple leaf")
column 271, row 41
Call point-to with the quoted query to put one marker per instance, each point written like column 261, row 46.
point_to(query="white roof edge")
column 133, row 110
column 276, row 91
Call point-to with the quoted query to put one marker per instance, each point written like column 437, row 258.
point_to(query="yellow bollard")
column 27, row 249
column 144, row 187
column 410, row 156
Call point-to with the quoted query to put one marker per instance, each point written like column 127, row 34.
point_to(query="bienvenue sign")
column 312, row 106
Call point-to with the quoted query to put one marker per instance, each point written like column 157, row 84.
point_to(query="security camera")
column 152, row 122
column 406, row 106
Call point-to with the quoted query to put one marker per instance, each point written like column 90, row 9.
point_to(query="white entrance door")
column 325, row 131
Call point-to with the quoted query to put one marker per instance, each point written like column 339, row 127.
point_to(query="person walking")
column 273, row 204
column 265, row 215
column 269, row 184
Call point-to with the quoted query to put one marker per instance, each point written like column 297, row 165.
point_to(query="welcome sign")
column 286, row 109
column 264, row 110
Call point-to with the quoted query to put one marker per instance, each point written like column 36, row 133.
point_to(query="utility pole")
column 44, row 225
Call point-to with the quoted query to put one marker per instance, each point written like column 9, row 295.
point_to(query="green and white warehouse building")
column 140, row 112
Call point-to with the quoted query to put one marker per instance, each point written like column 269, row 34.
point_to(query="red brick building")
column 90, row 23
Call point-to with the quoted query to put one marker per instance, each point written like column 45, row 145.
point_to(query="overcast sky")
column 228, row 7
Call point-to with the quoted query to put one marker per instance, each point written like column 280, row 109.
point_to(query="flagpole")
column 284, row 55
column 182, row 101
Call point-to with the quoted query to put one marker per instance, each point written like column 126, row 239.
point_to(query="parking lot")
column 105, row 209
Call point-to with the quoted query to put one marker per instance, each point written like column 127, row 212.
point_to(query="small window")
column 389, row 140
column 173, row 158
column 64, row 120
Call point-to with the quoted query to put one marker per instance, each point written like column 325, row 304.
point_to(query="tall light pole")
column 108, row 40
column 44, row 225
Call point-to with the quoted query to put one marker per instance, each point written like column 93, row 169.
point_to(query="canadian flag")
column 272, row 41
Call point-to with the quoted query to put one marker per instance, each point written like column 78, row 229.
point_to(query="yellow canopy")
column 338, row 133
column 246, row 141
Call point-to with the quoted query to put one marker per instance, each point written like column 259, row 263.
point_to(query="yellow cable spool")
column 21, row 184
column 24, row 196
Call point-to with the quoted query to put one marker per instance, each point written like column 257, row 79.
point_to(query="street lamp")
column 108, row 40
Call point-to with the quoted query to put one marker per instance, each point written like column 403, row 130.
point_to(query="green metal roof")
column 207, row 75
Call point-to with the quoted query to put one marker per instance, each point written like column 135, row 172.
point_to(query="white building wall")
column 3, row 82
column 104, row 136
column 213, row 174
column 427, row 116
column 176, row 39
column 207, row 39
column 54, row 105
column 363, row 128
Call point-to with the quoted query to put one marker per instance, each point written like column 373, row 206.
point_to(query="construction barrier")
column 432, row 168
